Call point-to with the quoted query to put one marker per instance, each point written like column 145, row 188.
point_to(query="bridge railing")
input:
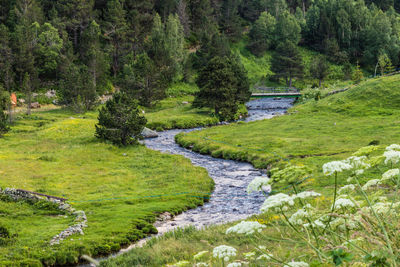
column 274, row 90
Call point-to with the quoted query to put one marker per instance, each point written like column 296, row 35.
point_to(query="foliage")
column 287, row 62
column 109, row 183
column 319, row 69
column 223, row 87
column 120, row 121
column 261, row 34
column 4, row 102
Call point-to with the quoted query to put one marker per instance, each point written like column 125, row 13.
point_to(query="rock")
column 35, row 94
column 147, row 133
column 21, row 100
column 35, row 105
column 185, row 102
column 50, row 94
column 105, row 98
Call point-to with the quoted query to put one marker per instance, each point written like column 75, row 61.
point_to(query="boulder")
column 35, row 105
column 50, row 94
column 147, row 133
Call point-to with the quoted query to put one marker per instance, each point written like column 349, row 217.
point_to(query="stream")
column 229, row 200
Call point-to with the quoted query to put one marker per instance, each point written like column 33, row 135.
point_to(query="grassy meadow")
column 55, row 152
column 310, row 134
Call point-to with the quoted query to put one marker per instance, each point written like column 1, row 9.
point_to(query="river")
column 229, row 200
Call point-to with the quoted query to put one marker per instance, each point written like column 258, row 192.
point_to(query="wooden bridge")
column 264, row 92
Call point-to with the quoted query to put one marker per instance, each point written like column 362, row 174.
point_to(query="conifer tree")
column 287, row 62
column 120, row 121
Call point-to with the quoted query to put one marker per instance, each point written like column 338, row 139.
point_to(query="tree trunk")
column 29, row 100
column 320, row 83
column 290, row 82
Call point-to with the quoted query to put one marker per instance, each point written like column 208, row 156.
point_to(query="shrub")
column 120, row 121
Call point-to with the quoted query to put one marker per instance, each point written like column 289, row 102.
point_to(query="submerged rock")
column 147, row 133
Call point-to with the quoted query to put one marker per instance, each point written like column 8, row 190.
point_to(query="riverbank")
column 121, row 190
column 311, row 134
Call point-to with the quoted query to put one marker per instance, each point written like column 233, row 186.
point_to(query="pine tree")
column 223, row 87
column 261, row 34
column 287, row 62
column 120, row 121
column 116, row 31
column 319, row 69
column 27, row 87
column 93, row 56
column 4, row 103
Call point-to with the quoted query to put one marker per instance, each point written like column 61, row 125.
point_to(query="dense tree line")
column 84, row 48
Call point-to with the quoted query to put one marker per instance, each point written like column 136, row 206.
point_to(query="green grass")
column 177, row 112
column 311, row 134
column 55, row 152
column 259, row 68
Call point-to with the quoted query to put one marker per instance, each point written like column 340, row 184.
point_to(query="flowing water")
column 229, row 200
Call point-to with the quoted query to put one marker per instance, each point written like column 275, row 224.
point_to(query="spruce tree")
column 120, row 121
column 223, row 87
column 319, row 69
column 287, row 62
column 4, row 103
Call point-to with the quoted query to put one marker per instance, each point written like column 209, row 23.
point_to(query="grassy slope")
column 259, row 68
column 55, row 152
column 313, row 133
column 338, row 124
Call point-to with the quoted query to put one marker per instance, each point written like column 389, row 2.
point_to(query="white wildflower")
column 277, row 202
column 371, row 183
column 200, row 255
column 296, row 264
column 299, row 217
column 392, row 156
column 181, row 263
column 224, row 252
column 234, row 264
column 246, row 227
column 306, row 194
column 357, row 162
column 343, row 203
column 201, row 264
column 347, row 188
column 259, row 184
column 393, row 147
column 344, row 224
column 335, row 166
column 390, row 174
column 264, row 257
column 262, row 247
column 381, row 207
column 359, row 172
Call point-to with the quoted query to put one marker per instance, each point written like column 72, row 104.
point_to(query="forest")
column 86, row 48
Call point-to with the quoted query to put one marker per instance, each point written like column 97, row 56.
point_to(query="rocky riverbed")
column 229, row 201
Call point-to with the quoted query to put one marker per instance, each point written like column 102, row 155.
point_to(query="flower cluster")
column 357, row 162
column 246, row 227
column 224, row 252
column 335, row 167
column 371, row 183
column 392, row 147
column 390, row 174
column 344, row 203
column 365, row 151
column 392, row 156
column 234, row 264
column 306, row 194
column 200, row 255
column 277, row 203
column 259, row 184
column 264, row 257
column 347, row 188
column 299, row 217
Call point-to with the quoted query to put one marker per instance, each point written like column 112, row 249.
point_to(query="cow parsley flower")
column 201, row 264
column 343, row 224
column 335, row 166
column 277, row 202
column 249, row 255
column 296, row 264
column 343, row 203
column 259, row 184
column 234, row 264
column 306, row 194
column 317, row 223
column 395, row 147
column 347, row 188
column 299, row 217
column 264, row 257
column 181, row 263
column 357, row 162
column 224, row 252
column 381, row 207
column 392, row 156
column 390, row 174
column 359, row 172
column 371, row 183
column 246, row 227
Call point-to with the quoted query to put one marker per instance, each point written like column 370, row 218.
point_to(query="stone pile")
column 80, row 216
